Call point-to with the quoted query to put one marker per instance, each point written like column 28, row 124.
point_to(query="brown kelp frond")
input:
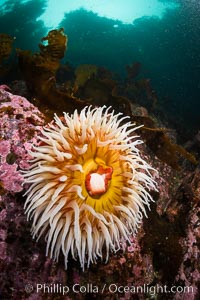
column 160, row 143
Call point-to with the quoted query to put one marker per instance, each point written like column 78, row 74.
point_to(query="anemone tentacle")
column 89, row 187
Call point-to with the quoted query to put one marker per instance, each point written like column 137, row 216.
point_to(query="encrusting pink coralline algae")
column 17, row 133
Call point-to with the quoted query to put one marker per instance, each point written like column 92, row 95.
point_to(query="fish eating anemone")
column 88, row 185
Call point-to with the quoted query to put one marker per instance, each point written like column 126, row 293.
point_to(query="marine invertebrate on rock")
column 87, row 184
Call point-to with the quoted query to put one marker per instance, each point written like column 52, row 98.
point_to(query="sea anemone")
column 88, row 184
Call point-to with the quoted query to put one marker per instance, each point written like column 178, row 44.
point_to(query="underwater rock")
column 169, row 237
column 17, row 133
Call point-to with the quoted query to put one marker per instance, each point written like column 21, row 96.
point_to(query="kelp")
column 160, row 143
column 46, row 62
column 6, row 47
column 56, row 44
column 94, row 86
column 39, row 71
column 139, row 88
column 107, row 92
column 96, row 91
column 83, row 73
column 133, row 70
column 6, row 42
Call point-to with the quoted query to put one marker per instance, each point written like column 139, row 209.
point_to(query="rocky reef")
column 162, row 261
column 164, row 254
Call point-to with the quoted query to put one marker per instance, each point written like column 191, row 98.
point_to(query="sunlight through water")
column 125, row 11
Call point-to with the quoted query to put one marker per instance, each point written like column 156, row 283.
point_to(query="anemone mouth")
column 97, row 181
column 88, row 184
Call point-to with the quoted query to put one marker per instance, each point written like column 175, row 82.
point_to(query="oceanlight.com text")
column 112, row 288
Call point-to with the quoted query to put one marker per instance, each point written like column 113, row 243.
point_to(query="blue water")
column 162, row 35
